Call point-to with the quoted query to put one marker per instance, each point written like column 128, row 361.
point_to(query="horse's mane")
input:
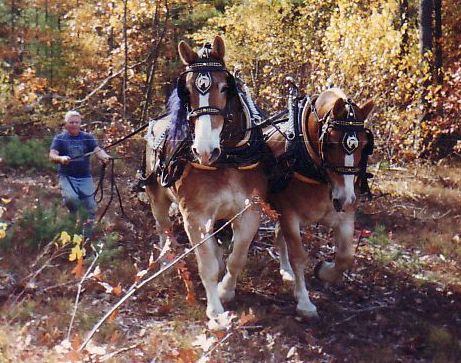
column 177, row 114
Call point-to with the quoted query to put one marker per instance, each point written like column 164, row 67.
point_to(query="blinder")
column 350, row 142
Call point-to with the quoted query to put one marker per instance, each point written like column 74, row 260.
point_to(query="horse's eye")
column 224, row 89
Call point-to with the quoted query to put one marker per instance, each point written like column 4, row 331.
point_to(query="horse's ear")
column 187, row 54
column 218, row 48
column 339, row 108
column 366, row 108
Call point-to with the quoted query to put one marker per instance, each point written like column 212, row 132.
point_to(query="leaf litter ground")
column 400, row 302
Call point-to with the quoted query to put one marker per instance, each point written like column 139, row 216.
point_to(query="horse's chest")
column 217, row 192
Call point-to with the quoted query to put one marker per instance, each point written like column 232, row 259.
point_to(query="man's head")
column 73, row 120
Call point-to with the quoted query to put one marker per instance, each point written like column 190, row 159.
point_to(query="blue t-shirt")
column 72, row 146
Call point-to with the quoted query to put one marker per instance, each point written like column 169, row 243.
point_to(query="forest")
column 117, row 63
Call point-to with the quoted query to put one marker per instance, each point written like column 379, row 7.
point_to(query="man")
column 68, row 149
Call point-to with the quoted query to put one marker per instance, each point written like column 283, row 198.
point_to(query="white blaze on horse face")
column 349, row 181
column 346, row 193
column 206, row 138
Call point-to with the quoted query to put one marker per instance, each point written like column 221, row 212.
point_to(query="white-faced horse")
column 205, row 156
column 323, row 151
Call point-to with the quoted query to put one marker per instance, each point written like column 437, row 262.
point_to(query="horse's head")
column 342, row 143
column 204, row 86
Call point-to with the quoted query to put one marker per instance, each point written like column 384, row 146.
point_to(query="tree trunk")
column 425, row 26
column 13, row 45
column 159, row 31
column 425, row 39
column 125, row 72
column 404, row 27
column 438, row 59
column 425, row 43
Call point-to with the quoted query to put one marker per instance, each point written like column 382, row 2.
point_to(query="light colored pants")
column 78, row 190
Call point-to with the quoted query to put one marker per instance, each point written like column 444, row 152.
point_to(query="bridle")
column 349, row 126
column 203, row 82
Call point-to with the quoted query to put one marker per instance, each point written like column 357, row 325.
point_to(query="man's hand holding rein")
column 102, row 155
column 59, row 159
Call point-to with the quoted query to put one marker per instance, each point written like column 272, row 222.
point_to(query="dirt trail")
column 400, row 302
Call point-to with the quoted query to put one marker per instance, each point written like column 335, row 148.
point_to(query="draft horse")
column 204, row 155
column 322, row 151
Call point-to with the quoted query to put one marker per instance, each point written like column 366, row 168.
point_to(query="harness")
column 301, row 161
column 172, row 160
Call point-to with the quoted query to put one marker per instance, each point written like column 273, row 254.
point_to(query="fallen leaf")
column 77, row 240
column 115, row 337
column 95, row 349
column 140, row 275
column 78, row 271
column 63, row 347
column 220, row 334
column 365, row 233
column 64, row 238
column 186, row 277
column 203, row 342
column 291, row 352
column 74, row 356
column 75, row 342
column 117, row 291
column 106, row 286
column 114, row 315
column 187, row 356
column 96, row 274
column 247, row 318
column 76, row 253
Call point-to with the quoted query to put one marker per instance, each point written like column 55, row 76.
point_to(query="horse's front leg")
column 344, row 252
column 285, row 268
column 160, row 205
column 208, row 264
column 244, row 230
column 298, row 260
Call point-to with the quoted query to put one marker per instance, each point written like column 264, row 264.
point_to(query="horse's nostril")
column 215, row 153
column 337, row 205
column 194, row 151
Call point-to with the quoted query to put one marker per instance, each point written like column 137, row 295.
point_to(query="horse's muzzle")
column 338, row 205
column 207, row 158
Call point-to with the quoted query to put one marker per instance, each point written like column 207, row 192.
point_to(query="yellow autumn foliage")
column 355, row 45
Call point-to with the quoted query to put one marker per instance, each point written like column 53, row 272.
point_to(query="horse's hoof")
column 287, row 275
column 325, row 271
column 214, row 325
column 225, row 295
column 311, row 315
column 222, row 321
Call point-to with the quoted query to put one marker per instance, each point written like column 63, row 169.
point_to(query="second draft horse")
column 323, row 151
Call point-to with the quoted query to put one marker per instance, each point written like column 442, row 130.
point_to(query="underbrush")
column 29, row 154
column 38, row 226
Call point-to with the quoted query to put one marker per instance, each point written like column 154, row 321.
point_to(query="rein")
column 131, row 134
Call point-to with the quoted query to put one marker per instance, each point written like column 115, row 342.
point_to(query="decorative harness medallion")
column 203, row 82
column 350, row 142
